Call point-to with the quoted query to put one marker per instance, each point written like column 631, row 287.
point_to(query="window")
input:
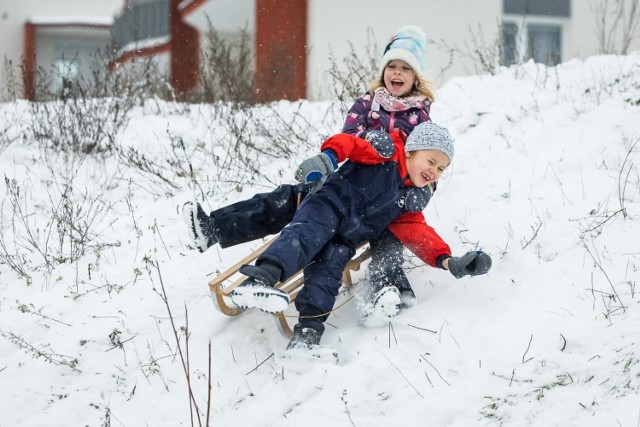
column 533, row 29
column 509, row 48
column 559, row 8
column 543, row 43
column 65, row 77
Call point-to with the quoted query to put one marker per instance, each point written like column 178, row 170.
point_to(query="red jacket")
column 410, row 228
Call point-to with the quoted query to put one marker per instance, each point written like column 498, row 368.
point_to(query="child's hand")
column 316, row 168
column 417, row 199
column 381, row 142
column 472, row 263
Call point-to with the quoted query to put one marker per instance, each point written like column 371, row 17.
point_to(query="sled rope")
column 319, row 315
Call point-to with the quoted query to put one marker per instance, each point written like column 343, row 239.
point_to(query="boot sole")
column 189, row 215
column 269, row 300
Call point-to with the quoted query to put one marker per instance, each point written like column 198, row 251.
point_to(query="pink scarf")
column 390, row 102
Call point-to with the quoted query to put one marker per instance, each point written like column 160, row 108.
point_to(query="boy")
column 378, row 186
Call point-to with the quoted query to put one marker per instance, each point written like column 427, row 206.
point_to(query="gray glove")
column 416, row 199
column 472, row 263
column 316, row 168
column 381, row 142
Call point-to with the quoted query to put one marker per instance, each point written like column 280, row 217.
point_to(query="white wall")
column 14, row 14
column 227, row 16
column 584, row 40
column 332, row 23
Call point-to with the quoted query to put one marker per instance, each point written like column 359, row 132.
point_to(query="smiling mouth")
column 425, row 177
column 397, row 83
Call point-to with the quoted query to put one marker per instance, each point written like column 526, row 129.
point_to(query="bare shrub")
column 86, row 115
column 484, row 54
column 78, row 123
column 227, row 68
column 43, row 351
column 10, row 86
column 625, row 177
column 62, row 235
column 9, row 126
column 351, row 74
column 616, row 24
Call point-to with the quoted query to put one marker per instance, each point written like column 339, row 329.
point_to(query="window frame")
column 522, row 23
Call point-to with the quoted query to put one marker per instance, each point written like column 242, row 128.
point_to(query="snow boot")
column 258, row 290
column 387, row 302
column 407, row 296
column 202, row 228
column 383, row 305
column 306, row 334
column 305, row 347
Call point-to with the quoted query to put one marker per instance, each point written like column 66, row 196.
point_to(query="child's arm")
column 421, row 239
column 377, row 148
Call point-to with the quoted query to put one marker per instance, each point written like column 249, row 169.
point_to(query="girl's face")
column 426, row 166
column 398, row 78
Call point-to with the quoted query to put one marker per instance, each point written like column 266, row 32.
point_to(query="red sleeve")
column 358, row 150
column 347, row 146
column 421, row 239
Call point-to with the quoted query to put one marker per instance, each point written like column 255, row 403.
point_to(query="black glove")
column 472, row 263
column 416, row 199
column 381, row 142
column 316, row 168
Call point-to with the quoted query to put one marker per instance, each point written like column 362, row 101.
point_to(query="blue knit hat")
column 409, row 44
column 430, row 136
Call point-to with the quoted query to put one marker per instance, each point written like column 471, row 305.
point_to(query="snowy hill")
column 545, row 179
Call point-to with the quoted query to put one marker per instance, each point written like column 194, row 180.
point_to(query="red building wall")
column 281, row 49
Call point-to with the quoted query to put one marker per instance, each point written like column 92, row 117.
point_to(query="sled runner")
column 227, row 281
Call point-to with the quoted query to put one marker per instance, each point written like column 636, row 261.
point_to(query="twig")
column 405, row 378
column 536, row 229
column 119, row 344
column 394, row 334
column 260, row 364
column 51, row 357
column 564, row 344
column 622, row 188
column 186, row 349
column 209, row 387
column 428, row 379
column 423, row 329
column 597, row 263
column 435, row 369
column 344, row 394
column 510, row 379
column 175, row 334
column 527, row 350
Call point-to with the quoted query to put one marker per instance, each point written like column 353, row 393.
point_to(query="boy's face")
column 426, row 166
column 398, row 78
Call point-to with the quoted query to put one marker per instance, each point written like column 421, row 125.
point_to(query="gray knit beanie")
column 430, row 136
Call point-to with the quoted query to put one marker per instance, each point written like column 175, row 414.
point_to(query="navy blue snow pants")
column 311, row 237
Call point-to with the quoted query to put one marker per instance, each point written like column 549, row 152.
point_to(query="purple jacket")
column 361, row 118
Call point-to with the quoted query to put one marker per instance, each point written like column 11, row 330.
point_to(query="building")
column 292, row 40
column 58, row 37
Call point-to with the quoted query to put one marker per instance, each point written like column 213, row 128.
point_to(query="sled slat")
column 220, row 293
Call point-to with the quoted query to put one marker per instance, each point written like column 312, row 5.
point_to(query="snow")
column 140, row 45
column 545, row 179
column 71, row 20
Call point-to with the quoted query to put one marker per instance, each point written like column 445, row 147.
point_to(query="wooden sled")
column 228, row 280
